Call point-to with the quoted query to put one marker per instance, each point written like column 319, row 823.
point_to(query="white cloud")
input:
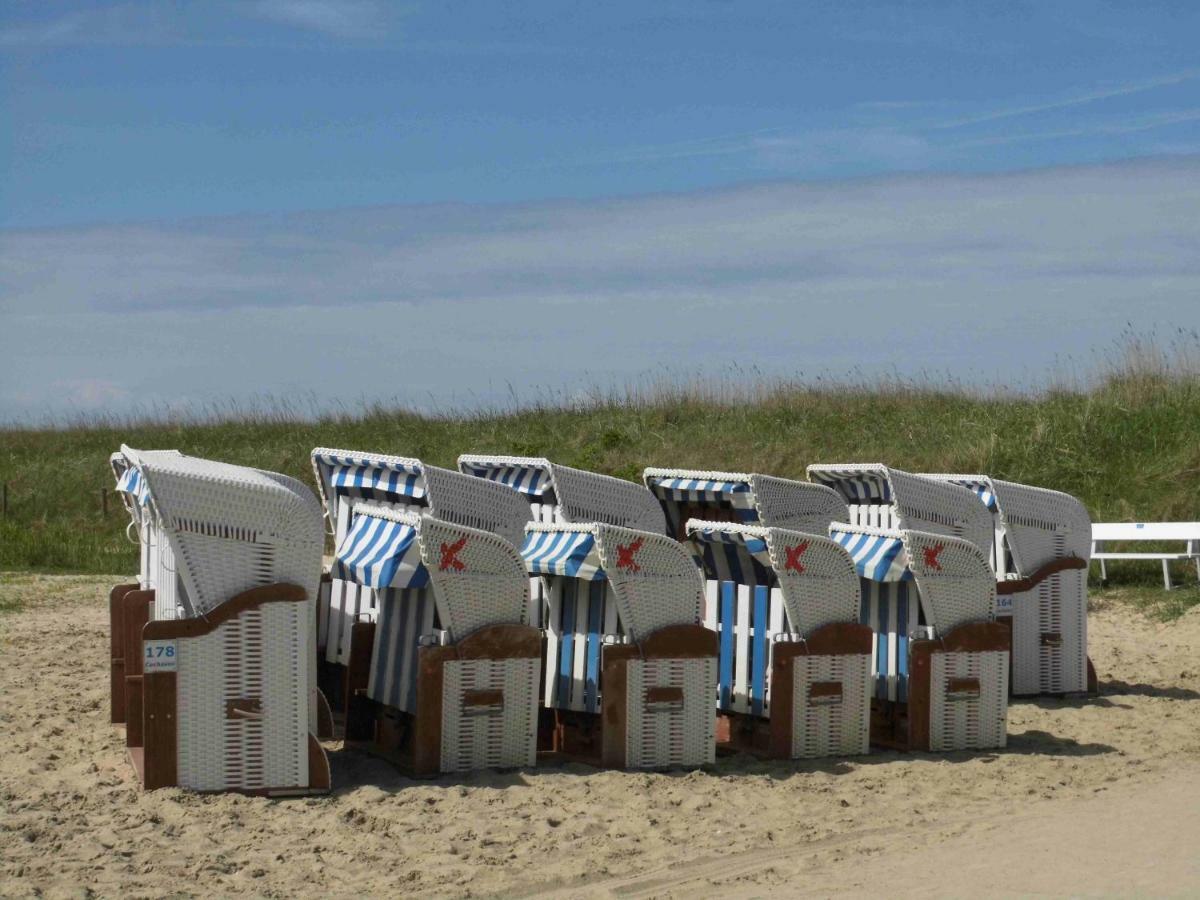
column 338, row 18
column 990, row 277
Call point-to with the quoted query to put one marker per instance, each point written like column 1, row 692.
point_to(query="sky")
column 452, row 204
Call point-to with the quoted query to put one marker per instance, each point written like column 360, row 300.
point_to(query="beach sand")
column 1092, row 797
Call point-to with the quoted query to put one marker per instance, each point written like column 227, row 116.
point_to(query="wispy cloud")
column 338, row 18
column 987, row 276
column 1115, row 126
column 219, row 22
column 1078, row 99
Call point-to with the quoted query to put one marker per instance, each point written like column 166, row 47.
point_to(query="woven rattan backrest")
column 478, row 577
column 816, row 578
column 956, row 583
column 654, row 579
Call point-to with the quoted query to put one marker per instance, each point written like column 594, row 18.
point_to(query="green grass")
column 1129, row 447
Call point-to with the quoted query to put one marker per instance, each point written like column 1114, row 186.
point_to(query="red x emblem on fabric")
column 450, row 558
column 793, row 557
column 625, row 556
column 931, row 556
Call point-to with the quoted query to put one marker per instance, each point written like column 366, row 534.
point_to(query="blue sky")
column 487, row 187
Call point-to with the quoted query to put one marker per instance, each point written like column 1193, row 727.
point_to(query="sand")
column 1092, row 797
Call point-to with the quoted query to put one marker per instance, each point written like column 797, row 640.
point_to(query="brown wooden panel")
column 614, row 693
column 1021, row 585
column 655, row 695
column 161, row 730
column 116, row 646
column 134, row 726
column 319, row 778
column 839, row 639
column 483, row 698
column 825, row 692
column 360, row 711
column 679, row 642
column 427, row 727
column 167, row 629
column 134, row 615
column 500, row 642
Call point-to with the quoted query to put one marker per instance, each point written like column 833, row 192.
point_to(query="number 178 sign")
column 160, row 656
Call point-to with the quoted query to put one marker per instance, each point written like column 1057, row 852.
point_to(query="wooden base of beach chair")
column 476, row 703
column 655, row 707
column 152, row 697
column 819, row 699
column 946, row 709
column 117, row 651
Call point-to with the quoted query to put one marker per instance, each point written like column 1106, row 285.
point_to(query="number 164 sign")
column 160, row 656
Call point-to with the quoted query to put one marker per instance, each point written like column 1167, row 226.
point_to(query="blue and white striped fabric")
column 876, row 557
column 402, row 618
column 893, row 612
column 134, row 484
column 855, row 485
column 572, row 554
column 981, row 489
column 361, row 476
column 380, row 553
column 584, row 613
column 698, row 491
column 680, row 496
column 533, row 481
column 731, row 556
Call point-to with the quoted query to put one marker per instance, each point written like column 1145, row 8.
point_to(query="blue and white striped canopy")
column 572, row 554
column 699, row 491
column 981, row 489
column 733, row 556
column 877, row 557
column 532, row 480
column 371, row 478
column 855, row 485
column 380, row 553
column 134, row 484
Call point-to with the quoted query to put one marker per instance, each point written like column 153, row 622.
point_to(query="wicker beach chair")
column 348, row 477
column 220, row 690
column 557, row 493
column 453, row 673
column 941, row 681
column 630, row 669
column 742, row 602
column 1042, row 551
column 808, row 658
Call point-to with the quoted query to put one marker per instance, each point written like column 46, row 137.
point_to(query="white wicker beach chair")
column 454, row 669
column 941, row 659
column 882, row 497
column 809, row 658
column 1042, row 551
column 220, row 689
column 630, row 669
column 348, row 477
column 562, row 494
column 742, row 601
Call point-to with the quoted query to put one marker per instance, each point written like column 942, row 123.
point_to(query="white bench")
column 1187, row 533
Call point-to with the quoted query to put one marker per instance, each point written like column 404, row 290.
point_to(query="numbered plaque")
column 160, row 656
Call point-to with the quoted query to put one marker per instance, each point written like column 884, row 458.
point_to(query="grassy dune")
column 1129, row 446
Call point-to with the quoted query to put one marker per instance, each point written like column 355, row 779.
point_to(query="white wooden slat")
column 579, row 660
column 741, row 653
column 778, row 623
column 553, row 639
column 712, row 598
